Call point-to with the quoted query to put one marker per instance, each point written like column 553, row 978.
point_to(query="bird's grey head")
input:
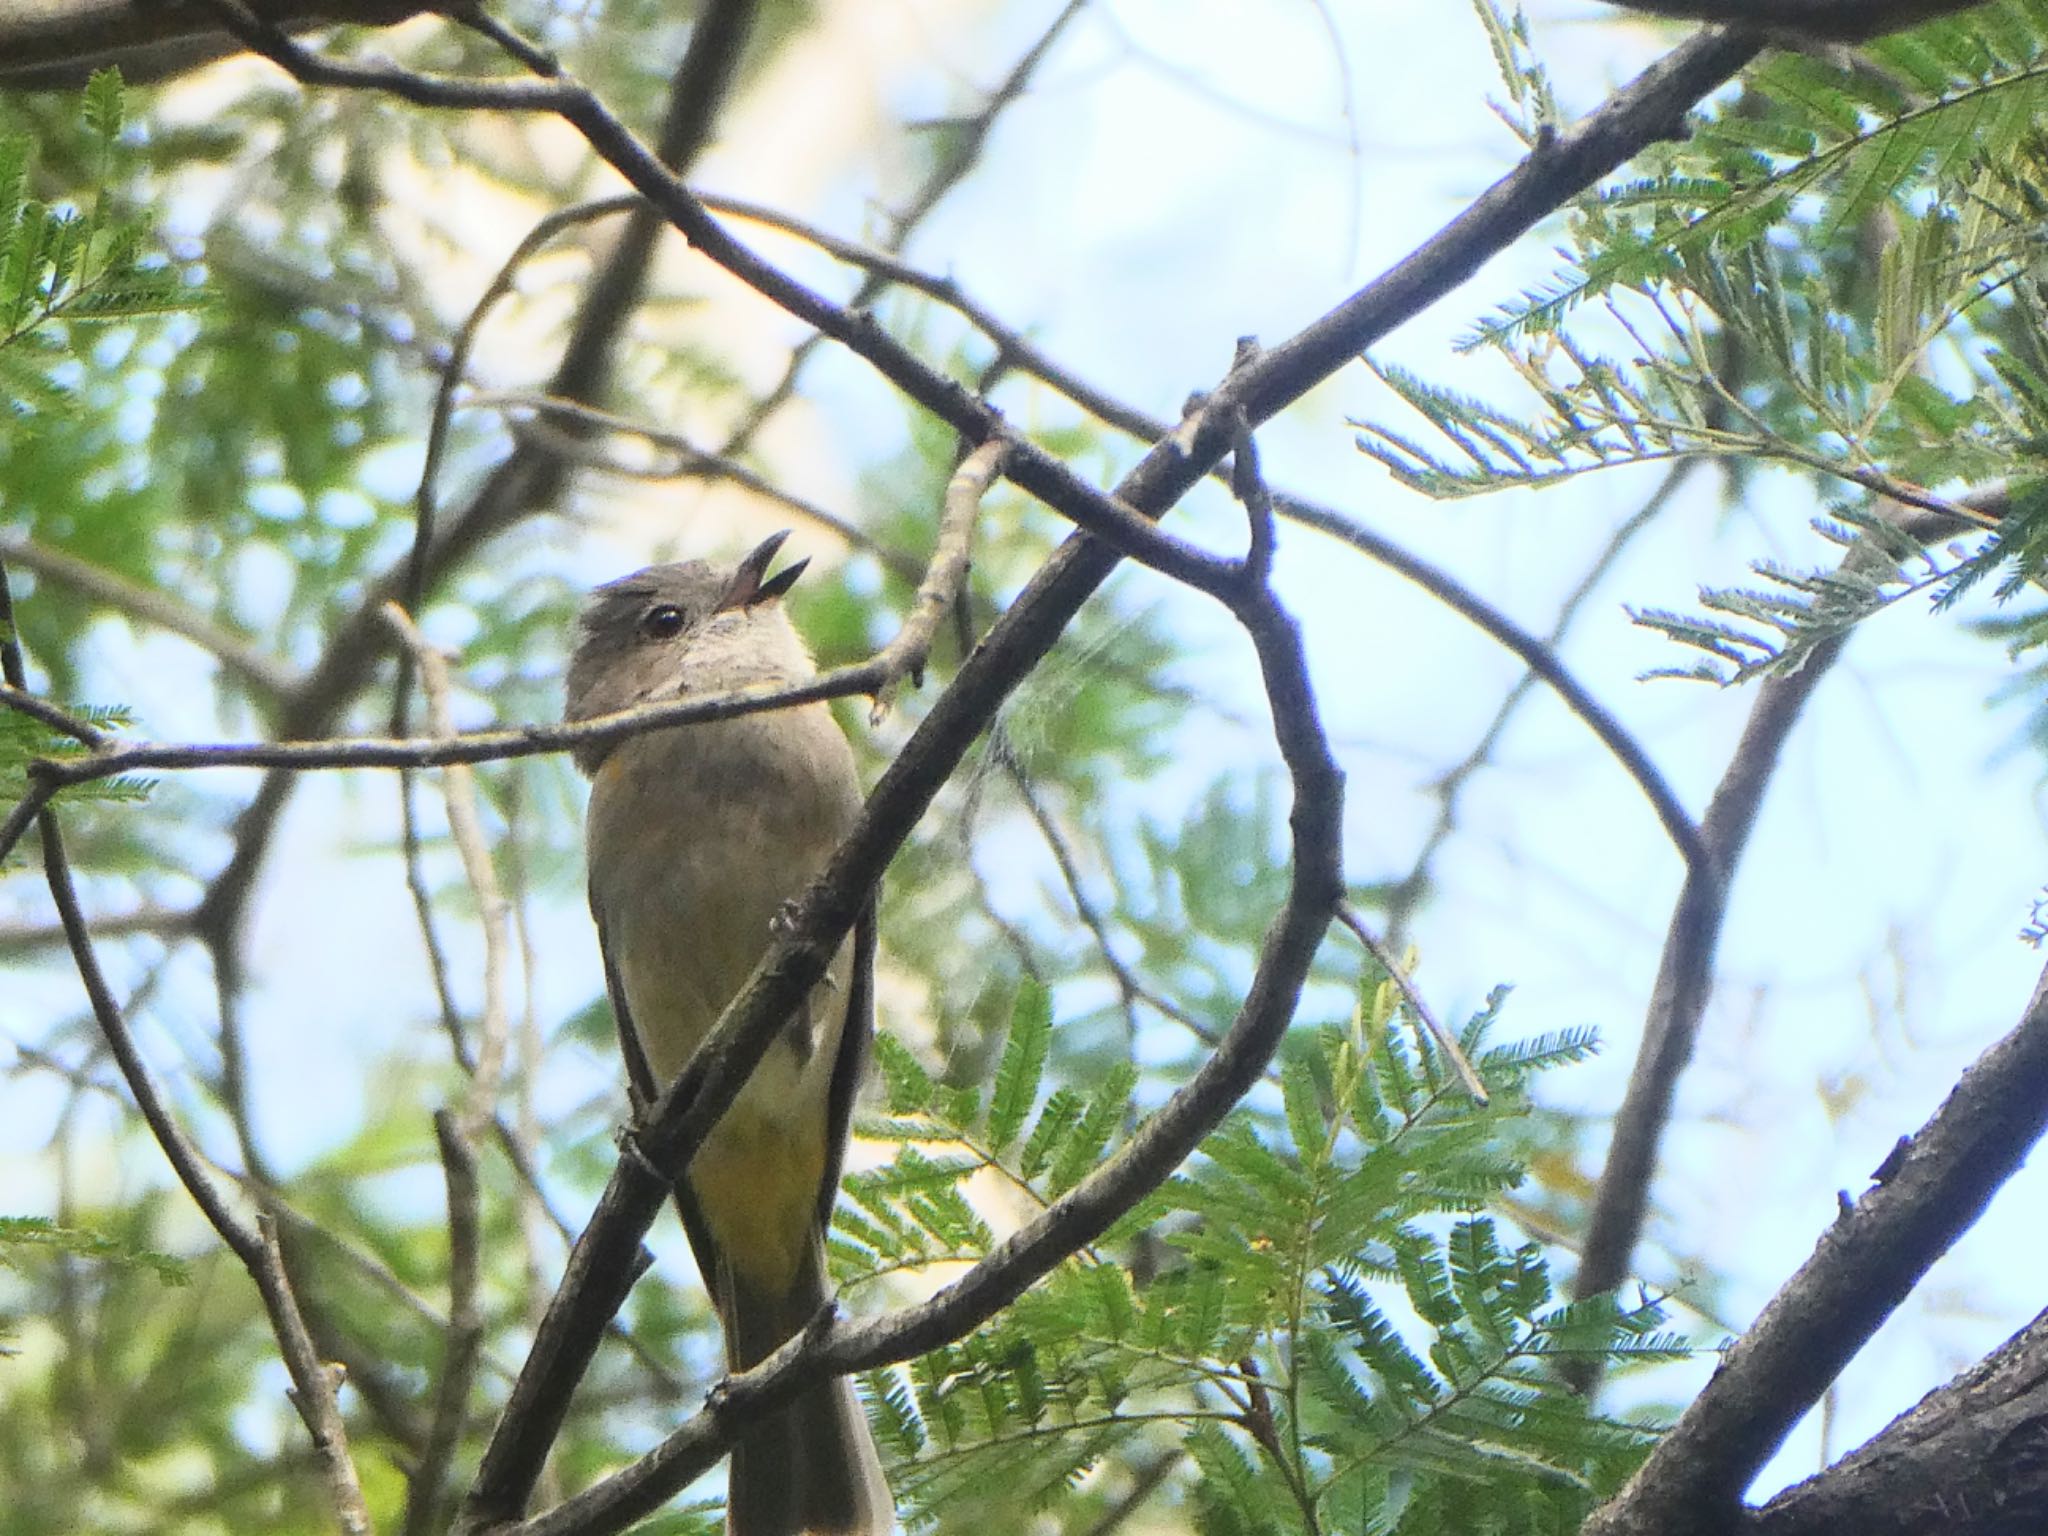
column 689, row 627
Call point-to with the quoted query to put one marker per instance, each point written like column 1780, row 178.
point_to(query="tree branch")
column 1965, row 1461
column 1929, row 1191
column 313, row 1382
column 1845, row 21
column 1685, row 974
column 55, row 45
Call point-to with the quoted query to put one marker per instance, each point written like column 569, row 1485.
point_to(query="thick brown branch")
column 51, row 45
column 1011, row 649
column 1966, row 1461
column 1685, row 975
column 1930, row 1191
column 1844, row 21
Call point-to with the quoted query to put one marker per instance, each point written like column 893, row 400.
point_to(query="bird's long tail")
column 810, row 1470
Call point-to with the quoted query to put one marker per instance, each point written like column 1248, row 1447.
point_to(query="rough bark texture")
column 48, row 45
column 1970, row 1460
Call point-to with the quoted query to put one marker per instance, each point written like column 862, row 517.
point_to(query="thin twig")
column 1406, row 892
column 1534, row 654
column 1445, row 1040
column 52, row 716
column 267, row 676
column 313, row 1383
column 691, row 463
column 466, row 831
column 462, row 1340
column 1130, row 990
column 963, row 146
column 456, row 1131
column 945, row 575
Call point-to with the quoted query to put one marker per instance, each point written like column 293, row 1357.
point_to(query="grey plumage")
column 698, row 836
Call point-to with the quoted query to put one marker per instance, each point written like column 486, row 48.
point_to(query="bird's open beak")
column 748, row 586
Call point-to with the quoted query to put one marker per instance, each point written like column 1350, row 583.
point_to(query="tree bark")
column 1971, row 1459
column 56, row 45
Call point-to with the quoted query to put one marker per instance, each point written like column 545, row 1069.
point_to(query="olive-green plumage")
column 698, row 836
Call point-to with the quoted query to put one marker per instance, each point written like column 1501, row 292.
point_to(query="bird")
column 697, row 838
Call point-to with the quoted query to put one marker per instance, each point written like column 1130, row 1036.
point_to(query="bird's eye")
column 663, row 623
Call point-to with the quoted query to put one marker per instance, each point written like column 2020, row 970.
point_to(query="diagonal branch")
column 594, row 1285
column 1158, row 1147
column 1848, row 21
column 1929, row 1191
column 1685, row 972
column 313, row 1382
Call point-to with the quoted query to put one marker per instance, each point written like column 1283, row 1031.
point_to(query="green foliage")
column 1320, row 1314
column 1316, row 1313
column 62, row 267
column 32, row 1240
column 1837, row 271
column 23, row 739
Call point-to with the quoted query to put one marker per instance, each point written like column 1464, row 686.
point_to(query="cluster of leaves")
column 1839, row 271
column 1316, row 1316
column 66, row 272
column 62, row 267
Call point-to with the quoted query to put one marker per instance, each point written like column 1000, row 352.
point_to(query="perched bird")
column 698, row 836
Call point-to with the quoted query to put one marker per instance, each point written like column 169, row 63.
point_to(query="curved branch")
column 1537, row 656
column 1685, row 975
column 595, row 1284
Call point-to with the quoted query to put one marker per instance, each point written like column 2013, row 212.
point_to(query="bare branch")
column 945, row 577
column 55, row 45
column 466, row 831
column 313, row 1382
column 1929, row 1191
column 1685, row 974
column 1845, row 21
column 269, row 677
column 1407, row 892
column 690, row 462
column 462, row 1340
